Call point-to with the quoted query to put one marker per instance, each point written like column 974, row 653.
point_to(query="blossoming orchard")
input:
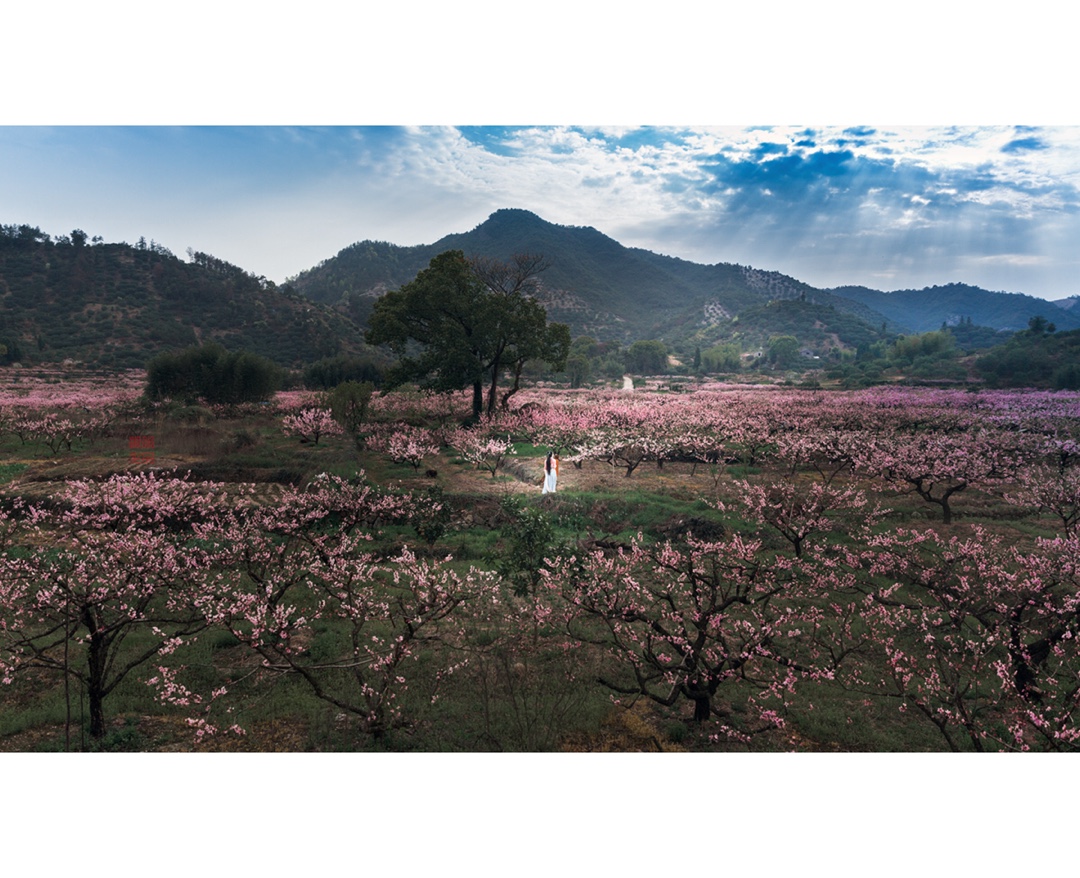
column 721, row 567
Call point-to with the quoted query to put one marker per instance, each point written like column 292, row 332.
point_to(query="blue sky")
column 883, row 206
column 240, row 139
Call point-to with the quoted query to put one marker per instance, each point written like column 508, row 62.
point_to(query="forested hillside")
column 819, row 327
column 116, row 305
column 594, row 284
column 925, row 310
column 1035, row 357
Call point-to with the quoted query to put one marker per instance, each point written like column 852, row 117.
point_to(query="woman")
column 551, row 472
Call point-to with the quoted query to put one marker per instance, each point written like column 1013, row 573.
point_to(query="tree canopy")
column 212, row 373
column 465, row 323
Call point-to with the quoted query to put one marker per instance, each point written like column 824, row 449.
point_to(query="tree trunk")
column 477, row 400
column 96, row 659
column 97, row 712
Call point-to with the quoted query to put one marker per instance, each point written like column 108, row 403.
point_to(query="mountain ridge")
column 602, row 288
column 927, row 309
column 115, row 305
column 594, row 284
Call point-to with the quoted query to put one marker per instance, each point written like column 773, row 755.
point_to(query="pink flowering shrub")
column 483, row 451
column 409, row 445
column 311, row 424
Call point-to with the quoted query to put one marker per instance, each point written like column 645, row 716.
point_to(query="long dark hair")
column 547, row 461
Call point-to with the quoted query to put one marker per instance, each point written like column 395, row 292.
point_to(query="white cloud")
column 781, row 197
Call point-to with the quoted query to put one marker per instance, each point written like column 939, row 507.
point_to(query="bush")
column 329, row 372
column 529, row 538
column 431, row 514
column 211, row 373
column 1067, row 377
column 349, row 403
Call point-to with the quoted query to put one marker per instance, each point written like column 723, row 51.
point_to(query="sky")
column 937, row 158
column 882, row 206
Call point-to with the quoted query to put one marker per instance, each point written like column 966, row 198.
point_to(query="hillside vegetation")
column 595, row 285
column 925, row 310
column 116, row 305
column 612, row 293
column 1035, row 358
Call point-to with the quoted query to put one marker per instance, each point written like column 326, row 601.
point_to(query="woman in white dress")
column 551, row 473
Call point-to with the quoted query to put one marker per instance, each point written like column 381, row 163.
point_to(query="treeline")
column 591, row 360
column 211, row 373
column 328, row 373
column 1036, row 357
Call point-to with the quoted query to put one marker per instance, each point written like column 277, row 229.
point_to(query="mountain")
column 594, row 284
column 116, row 305
column 611, row 292
column 927, row 309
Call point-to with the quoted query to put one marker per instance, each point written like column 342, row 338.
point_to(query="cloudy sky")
column 981, row 184
column 995, row 206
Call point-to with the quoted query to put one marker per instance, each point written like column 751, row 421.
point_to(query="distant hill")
column 821, row 328
column 595, row 284
column 116, row 305
column 1034, row 358
column 927, row 309
column 611, row 292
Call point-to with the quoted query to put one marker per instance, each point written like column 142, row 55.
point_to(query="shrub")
column 211, row 373
column 349, row 403
column 329, row 372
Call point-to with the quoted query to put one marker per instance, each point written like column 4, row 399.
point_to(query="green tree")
column 520, row 331
column 585, row 346
column 906, row 349
column 1067, row 377
column 212, row 373
column 577, row 369
column 1039, row 325
column 329, row 372
column 528, row 540
column 722, row 358
column 784, row 350
column 647, row 357
column 349, row 403
column 464, row 324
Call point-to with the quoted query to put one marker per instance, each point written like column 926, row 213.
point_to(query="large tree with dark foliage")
column 211, row 373
column 463, row 323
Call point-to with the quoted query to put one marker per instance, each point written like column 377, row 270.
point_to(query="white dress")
column 550, row 478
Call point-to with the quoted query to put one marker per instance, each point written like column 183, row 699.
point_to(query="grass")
column 622, row 515
column 844, row 721
column 9, row 471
